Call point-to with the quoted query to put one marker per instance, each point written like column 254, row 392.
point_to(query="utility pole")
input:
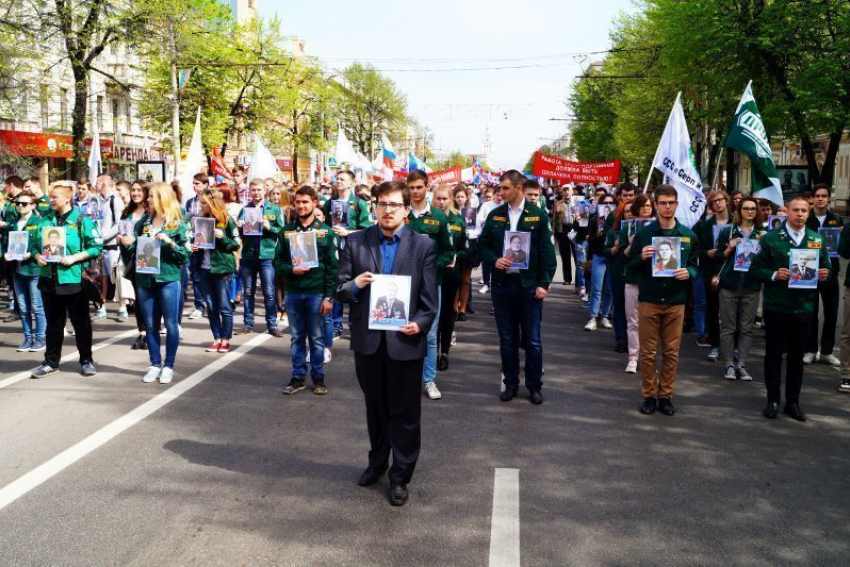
column 175, row 117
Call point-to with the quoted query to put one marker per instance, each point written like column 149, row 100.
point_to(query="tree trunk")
column 78, row 125
column 827, row 174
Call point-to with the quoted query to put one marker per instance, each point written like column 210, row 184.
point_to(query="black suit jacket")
column 415, row 258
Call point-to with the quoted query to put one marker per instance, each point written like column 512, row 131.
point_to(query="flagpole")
column 717, row 168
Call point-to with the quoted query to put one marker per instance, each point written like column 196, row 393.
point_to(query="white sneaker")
column 606, row 324
column 631, row 367
column 743, row 375
column 328, row 355
column 585, row 298
column 453, row 342
column 830, row 359
column 432, row 391
column 809, row 357
column 730, row 373
column 591, row 325
column 196, row 314
column 166, row 376
column 484, row 289
column 152, row 375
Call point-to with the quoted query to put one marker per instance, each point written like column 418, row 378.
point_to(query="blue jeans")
column 191, row 271
column 216, row 295
column 517, row 310
column 306, row 323
column 248, row 271
column 161, row 301
column 699, row 305
column 336, row 316
column 600, row 294
column 329, row 329
column 618, row 290
column 486, row 270
column 429, row 368
column 580, row 253
column 30, row 307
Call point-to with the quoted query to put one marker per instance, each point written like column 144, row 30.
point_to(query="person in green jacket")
column 443, row 201
column 25, row 272
column 216, row 267
column 739, row 289
column 518, row 294
column 61, row 283
column 14, row 185
column 160, row 294
column 427, row 220
column 787, row 311
column 257, row 259
column 309, row 291
column 661, row 301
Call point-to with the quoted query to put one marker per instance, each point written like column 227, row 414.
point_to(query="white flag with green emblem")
column 748, row 136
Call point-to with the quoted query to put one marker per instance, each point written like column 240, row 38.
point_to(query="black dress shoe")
column 535, row 397
column 443, row 362
column 792, row 410
column 648, row 406
column 398, row 494
column 621, row 346
column 508, row 394
column 460, row 317
column 666, row 406
column 370, row 476
column 771, row 411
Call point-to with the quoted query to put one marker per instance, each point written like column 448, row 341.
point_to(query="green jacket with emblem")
column 434, row 223
column 667, row 291
column 831, row 221
column 76, row 225
column 457, row 231
column 541, row 262
column 775, row 253
column 262, row 247
column 729, row 278
column 170, row 260
column 319, row 280
column 222, row 260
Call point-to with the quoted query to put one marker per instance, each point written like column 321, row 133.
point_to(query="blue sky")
column 406, row 39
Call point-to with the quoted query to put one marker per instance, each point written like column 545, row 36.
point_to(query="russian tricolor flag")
column 388, row 152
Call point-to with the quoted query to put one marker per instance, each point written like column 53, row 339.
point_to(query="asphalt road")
column 232, row 472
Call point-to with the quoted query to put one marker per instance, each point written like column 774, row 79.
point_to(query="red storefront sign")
column 36, row 144
column 284, row 164
column 564, row 170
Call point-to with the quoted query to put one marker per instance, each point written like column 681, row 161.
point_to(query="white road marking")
column 504, row 523
column 63, row 460
column 72, row 356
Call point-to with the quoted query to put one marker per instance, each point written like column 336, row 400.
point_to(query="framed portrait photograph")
column 93, row 209
column 252, row 221
column 18, row 244
column 803, row 265
column 53, row 242
column 667, row 257
column 745, row 251
column 517, row 249
column 150, row 171
column 831, row 236
column 716, row 230
column 203, row 229
column 640, row 223
column 775, row 221
column 339, row 212
column 794, row 179
column 303, row 249
column 389, row 302
column 469, row 218
column 147, row 255
column 629, row 226
column 581, row 211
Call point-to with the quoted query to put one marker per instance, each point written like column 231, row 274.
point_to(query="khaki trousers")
column 659, row 322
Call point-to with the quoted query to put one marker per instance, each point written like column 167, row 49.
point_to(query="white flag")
column 95, row 160
column 345, row 151
column 675, row 159
column 195, row 161
column 263, row 164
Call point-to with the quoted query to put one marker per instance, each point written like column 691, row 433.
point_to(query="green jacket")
column 319, row 280
column 668, row 291
column 76, row 225
column 729, row 278
column 42, row 207
column 775, row 253
column 222, row 260
column 541, row 263
column 435, row 224
column 457, row 231
column 704, row 230
column 262, row 247
column 358, row 212
column 170, row 260
column 28, row 267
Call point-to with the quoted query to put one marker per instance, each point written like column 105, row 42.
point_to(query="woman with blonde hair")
column 159, row 295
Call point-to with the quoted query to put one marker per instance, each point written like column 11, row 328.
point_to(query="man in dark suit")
column 389, row 363
column 394, row 308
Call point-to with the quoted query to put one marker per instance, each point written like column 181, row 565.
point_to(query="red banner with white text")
column 446, row 176
column 564, row 170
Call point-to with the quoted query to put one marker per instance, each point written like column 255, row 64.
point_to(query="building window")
column 115, row 115
column 44, row 102
column 128, row 114
column 99, row 111
column 63, row 109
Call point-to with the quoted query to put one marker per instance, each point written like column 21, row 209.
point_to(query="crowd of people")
column 747, row 264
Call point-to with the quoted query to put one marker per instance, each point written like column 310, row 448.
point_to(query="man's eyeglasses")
column 666, row 203
column 391, row 207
